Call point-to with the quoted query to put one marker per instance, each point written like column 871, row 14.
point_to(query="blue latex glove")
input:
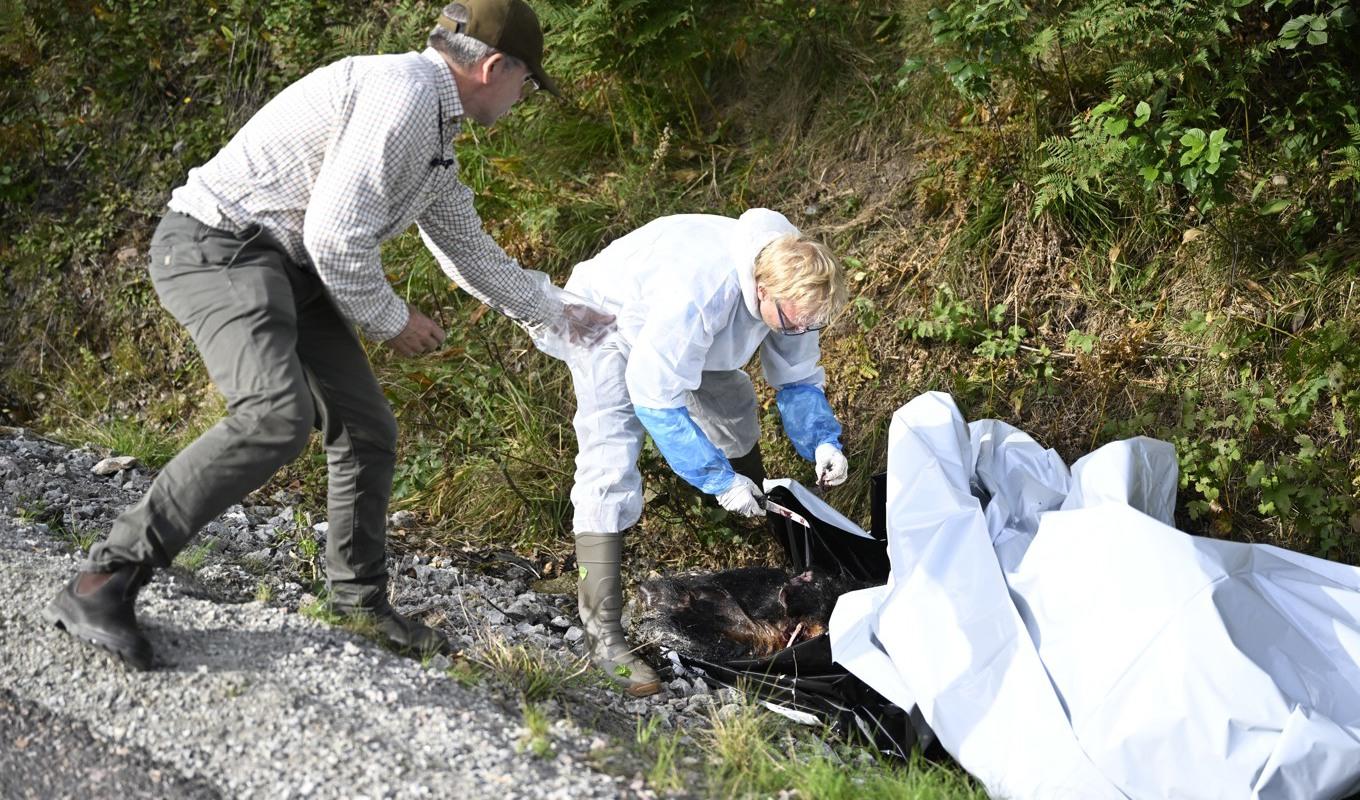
column 687, row 449
column 808, row 419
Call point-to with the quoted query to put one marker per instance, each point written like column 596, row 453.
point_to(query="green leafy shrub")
column 1161, row 94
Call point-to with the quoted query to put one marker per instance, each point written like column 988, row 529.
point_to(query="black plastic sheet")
column 804, row 678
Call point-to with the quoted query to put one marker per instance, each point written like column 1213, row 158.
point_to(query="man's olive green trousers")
column 286, row 362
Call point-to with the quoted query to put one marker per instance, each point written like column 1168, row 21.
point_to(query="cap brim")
column 544, row 82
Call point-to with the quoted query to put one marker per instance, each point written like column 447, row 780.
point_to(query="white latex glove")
column 742, row 497
column 584, row 325
column 578, row 326
column 832, row 468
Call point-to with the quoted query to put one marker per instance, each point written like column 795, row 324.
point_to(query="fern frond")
column 1349, row 168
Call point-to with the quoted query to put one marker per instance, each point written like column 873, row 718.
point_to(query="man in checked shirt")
column 269, row 256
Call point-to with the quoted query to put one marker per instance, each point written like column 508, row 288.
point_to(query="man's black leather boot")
column 403, row 633
column 100, row 608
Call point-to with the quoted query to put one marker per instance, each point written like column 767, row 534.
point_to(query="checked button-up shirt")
column 341, row 161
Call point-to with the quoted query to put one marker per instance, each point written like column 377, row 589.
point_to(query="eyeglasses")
column 795, row 330
column 529, row 86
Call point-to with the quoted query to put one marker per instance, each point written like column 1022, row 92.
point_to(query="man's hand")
column 832, row 468
column 586, row 326
column 742, row 497
column 421, row 335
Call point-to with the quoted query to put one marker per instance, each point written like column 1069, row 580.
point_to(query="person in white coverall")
column 695, row 296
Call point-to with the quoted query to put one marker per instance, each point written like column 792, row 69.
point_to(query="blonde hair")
column 800, row 270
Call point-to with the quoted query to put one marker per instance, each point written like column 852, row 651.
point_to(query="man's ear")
column 489, row 67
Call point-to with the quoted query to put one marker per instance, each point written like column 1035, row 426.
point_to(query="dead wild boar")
column 751, row 612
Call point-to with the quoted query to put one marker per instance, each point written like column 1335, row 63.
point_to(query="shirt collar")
column 449, row 100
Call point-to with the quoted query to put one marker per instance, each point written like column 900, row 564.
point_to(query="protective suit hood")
column 759, row 227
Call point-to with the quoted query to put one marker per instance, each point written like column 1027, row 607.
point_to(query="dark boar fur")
column 741, row 613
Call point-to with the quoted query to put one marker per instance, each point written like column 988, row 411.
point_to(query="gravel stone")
column 113, row 466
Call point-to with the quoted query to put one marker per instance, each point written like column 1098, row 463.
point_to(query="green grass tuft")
column 663, row 751
column 264, row 592
column 534, row 674
column 467, row 674
column 195, row 557
column 754, row 753
column 536, row 739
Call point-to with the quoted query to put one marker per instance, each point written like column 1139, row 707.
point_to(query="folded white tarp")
column 1063, row 640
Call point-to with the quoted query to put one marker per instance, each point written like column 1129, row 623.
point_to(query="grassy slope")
column 1164, row 329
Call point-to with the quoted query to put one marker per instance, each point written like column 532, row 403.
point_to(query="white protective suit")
column 683, row 290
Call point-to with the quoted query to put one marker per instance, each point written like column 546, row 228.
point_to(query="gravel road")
column 252, row 699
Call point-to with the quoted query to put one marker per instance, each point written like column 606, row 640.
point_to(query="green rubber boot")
column 600, row 597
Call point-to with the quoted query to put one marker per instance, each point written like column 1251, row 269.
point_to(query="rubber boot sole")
column 630, row 687
column 642, row 689
column 130, row 655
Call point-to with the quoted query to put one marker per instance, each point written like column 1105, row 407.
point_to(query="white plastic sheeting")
column 817, row 505
column 1063, row 640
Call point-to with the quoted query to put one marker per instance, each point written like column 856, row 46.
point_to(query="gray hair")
column 462, row 50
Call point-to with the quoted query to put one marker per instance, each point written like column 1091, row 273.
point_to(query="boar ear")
column 784, row 598
column 806, row 577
